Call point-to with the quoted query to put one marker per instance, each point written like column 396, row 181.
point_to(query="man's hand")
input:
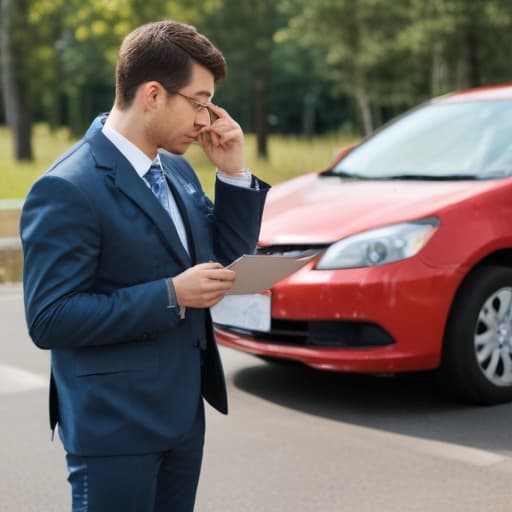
column 203, row 285
column 223, row 143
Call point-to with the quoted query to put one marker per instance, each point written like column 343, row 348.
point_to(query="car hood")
column 317, row 210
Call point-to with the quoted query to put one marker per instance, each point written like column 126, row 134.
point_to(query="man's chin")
column 176, row 150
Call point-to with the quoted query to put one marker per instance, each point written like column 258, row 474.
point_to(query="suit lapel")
column 181, row 202
column 126, row 179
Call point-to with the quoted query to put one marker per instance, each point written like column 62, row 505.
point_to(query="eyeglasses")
column 199, row 106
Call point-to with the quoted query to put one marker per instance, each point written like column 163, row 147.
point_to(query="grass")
column 288, row 157
column 16, row 178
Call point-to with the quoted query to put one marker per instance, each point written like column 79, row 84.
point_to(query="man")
column 124, row 255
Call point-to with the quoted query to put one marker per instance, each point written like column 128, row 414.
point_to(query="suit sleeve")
column 61, row 239
column 237, row 219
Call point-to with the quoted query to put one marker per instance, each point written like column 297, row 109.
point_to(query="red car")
column 414, row 272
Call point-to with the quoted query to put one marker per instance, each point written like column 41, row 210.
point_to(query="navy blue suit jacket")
column 127, row 372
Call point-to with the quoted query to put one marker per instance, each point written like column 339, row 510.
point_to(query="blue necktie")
column 156, row 179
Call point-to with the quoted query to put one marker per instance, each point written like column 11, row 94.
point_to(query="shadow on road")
column 407, row 404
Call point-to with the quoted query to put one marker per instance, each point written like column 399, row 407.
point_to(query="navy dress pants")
column 155, row 482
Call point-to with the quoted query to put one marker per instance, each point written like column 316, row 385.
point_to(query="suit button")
column 195, row 343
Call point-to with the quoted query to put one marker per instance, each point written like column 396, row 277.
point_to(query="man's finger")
column 208, row 138
column 218, row 111
column 220, row 274
column 228, row 135
column 210, row 265
column 214, row 287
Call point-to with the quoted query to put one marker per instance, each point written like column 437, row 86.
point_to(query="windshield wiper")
column 409, row 177
column 343, row 174
column 429, row 177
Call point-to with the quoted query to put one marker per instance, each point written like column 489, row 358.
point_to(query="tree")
column 91, row 33
column 14, row 56
column 388, row 56
column 359, row 43
column 464, row 41
column 245, row 31
column 294, row 65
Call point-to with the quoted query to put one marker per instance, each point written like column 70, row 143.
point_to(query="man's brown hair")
column 163, row 51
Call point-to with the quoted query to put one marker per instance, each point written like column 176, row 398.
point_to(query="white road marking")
column 441, row 449
column 15, row 380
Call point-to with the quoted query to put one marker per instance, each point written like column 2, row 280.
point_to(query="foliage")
column 387, row 56
column 295, row 66
column 76, row 49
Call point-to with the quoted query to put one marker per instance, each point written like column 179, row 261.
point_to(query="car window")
column 443, row 140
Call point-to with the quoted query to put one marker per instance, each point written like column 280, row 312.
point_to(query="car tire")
column 480, row 312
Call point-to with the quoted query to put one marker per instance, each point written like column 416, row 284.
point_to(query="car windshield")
column 471, row 140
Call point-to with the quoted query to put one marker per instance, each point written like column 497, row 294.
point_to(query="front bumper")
column 406, row 302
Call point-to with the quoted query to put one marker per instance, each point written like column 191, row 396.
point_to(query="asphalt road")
column 295, row 440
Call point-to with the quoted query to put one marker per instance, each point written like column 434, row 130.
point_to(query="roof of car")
column 495, row 92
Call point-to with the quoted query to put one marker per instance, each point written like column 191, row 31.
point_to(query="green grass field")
column 288, row 157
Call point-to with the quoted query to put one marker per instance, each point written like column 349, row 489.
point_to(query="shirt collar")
column 137, row 158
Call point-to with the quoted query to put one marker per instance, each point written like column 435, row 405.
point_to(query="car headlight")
column 379, row 246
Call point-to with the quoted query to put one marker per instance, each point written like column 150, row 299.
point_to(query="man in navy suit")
column 124, row 255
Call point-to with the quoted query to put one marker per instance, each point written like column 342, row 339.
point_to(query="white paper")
column 256, row 273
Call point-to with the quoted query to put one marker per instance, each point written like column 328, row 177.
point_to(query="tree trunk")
column 473, row 59
column 261, row 115
column 260, row 16
column 439, row 73
column 308, row 115
column 15, row 86
column 366, row 112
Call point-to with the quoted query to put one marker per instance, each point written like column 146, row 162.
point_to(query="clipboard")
column 256, row 273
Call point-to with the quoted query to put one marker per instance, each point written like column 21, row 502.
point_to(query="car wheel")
column 477, row 351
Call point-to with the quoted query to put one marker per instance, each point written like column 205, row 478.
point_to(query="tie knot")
column 154, row 175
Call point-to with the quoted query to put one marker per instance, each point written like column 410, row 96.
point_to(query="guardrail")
column 11, row 256
column 11, row 204
column 11, row 260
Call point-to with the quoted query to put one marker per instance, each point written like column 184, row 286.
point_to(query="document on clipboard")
column 256, row 273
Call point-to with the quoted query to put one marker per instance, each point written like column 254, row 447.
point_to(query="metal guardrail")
column 11, row 256
column 11, row 260
column 9, row 221
column 11, row 204
column 11, row 243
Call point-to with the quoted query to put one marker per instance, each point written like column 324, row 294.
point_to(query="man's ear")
column 151, row 94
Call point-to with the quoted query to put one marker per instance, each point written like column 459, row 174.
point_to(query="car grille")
column 291, row 250
column 320, row 333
